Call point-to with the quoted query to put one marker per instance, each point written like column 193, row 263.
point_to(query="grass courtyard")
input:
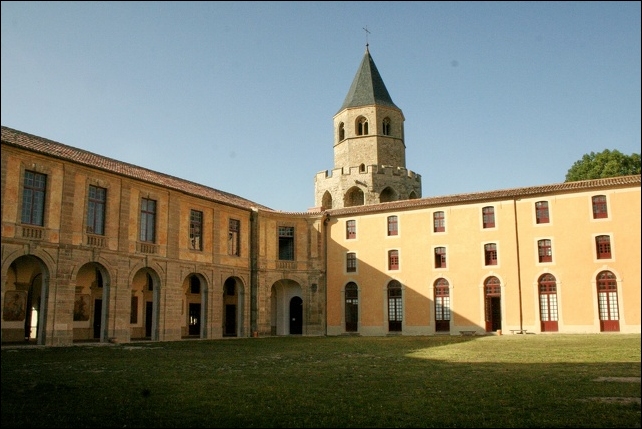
column 577, row 381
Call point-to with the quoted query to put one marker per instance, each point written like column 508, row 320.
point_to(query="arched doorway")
column 286, row 304
column 352, row 307
column 25, row 306
column 607, row 300
column 493, row 304
column 144, row 305
column 90, row 303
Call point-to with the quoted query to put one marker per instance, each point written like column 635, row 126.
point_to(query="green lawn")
column 438, row 381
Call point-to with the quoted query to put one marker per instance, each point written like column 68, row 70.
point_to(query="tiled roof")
column 367, row 87
column 503, row 194
column 58, row 150
column 67, row 153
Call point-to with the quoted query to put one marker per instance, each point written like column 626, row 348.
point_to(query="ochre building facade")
column 94, row 249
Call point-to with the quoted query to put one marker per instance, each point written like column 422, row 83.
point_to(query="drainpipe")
column 254, row 274
column 326, row 221
column 519, row 267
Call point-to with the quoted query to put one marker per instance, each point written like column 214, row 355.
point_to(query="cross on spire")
column 367, row 32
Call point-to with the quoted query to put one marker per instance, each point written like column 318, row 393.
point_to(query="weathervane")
column 367, row 32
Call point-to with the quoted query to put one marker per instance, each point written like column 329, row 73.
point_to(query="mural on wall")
column 15, row 305
column 81, row 308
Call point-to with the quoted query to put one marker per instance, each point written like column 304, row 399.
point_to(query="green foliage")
column 608, row 163
column 507, row 381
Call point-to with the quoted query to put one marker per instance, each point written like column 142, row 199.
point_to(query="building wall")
column 67, row 272
column 572, row 231
column 66, row 258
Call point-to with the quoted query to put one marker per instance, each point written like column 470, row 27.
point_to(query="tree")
column 608, row 163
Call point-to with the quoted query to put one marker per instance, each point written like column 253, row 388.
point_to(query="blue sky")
column 240, row 96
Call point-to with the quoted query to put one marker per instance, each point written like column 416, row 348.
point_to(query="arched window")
column 548, row 303
column 362, row 168
column 386, row 127
column 395, row 309
column 362, row 126
column 342, row 131
column 352, row 307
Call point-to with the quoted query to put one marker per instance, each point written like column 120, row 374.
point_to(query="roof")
column 367, row 87
column 502, row 194
column 63, row 152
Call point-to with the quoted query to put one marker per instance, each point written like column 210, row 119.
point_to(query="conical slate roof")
column 367, row 87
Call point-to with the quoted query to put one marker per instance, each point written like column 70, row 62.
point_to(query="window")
column 490, row 254
column 544, row 251
column 440, row 257
column 607, row 301
column 33, row 198
column 342, row 132
column 234, row 237
column 351, row 229
column 386, row 127
column 96, row 210
column 548, row 303
column 603, row 246
column 362, row 126
column 488, row 214
column 392, row 225
column 438, row 222
column 541, row 212
column 351, row 262
column 352, row 307
column 147, row 220
column 442, row 305
column 393, row 259
column 395, row 309
column 600, row 210
column 196, row 230
column 286, row 243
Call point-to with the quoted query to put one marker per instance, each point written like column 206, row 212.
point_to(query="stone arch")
column 361, row 125
column 388, row 194
column 282, row 294
column 326, row 201
column 354, row 197
column 195, row 291
column 145, row 285
column 25, row 292
column 91, row 302
column 234, row 293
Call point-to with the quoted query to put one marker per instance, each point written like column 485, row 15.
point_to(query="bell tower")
column 369, row 148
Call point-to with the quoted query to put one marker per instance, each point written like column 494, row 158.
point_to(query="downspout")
column 254, row 274
column 519, row 267
column 326, row 221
